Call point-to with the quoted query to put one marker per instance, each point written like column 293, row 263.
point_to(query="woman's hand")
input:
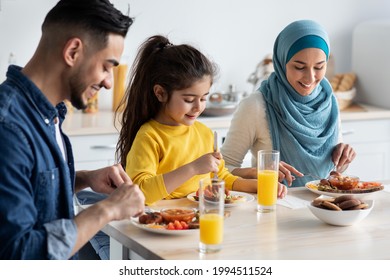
column 245, row 172
column 282, row 190
column 342, row 156
column 286, row 171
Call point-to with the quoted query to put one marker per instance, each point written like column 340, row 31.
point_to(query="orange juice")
column 211, row 229
column 267, row 187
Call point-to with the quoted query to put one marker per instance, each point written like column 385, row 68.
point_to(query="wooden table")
column 286, row 234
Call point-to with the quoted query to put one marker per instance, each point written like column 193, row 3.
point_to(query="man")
column 81, row 43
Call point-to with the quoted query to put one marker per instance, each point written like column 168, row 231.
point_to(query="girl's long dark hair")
column 158, row 62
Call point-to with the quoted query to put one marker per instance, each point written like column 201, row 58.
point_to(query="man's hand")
column 104, row 180
column 125, row 202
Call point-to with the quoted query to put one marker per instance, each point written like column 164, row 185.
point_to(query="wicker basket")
column 345, row 98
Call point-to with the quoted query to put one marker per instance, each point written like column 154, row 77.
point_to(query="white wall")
column 236, row 34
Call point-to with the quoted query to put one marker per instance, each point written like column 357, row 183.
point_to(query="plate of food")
column 232, row 198
column 169, row 221
column 359, row 190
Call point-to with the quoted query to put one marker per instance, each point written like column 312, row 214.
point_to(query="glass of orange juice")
column 211, row 214
column 267, row 180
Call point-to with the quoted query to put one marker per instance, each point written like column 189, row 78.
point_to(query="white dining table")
column 292, row 232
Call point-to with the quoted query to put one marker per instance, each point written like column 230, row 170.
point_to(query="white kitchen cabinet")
column 93, row 151
column 371, row 141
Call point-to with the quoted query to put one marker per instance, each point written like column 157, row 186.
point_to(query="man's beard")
column 76, row 93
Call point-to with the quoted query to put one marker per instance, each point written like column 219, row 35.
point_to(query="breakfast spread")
column 171, row 219
column 338, row 183
column 344, row 202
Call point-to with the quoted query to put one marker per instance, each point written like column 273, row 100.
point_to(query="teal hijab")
column 303, row 128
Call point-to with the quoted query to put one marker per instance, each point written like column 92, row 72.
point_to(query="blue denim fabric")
column 101, row 241
column 36, row 184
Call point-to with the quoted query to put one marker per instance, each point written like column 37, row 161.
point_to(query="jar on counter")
column 92, row 104
column 118, row 91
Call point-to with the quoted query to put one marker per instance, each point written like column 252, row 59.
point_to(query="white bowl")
column 341, row 218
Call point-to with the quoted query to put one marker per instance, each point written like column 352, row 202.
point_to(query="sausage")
column 150, row 218
column 324, row 182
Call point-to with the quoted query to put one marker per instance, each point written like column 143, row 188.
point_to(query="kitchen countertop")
column 360, row 112
column 80, row 124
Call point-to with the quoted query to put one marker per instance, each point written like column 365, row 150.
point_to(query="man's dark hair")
column 95, row 18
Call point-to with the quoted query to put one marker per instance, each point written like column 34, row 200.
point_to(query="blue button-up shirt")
column 36, row 183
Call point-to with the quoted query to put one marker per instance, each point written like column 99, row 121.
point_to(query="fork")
column 312, row 175
column 215, row 150
column 318, row 177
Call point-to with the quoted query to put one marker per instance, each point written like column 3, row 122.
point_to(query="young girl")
column 162, row 146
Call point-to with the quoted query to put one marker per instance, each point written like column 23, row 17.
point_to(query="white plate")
column 136, row 223
column 332, row 194
column 247, row 198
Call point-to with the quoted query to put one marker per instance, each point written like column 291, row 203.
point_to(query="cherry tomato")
column 171, row 226
column 184, row 225
column 177, row 225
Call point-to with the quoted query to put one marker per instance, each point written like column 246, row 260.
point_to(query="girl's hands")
column 342, row 156
column 207, row 163
column 202, row 165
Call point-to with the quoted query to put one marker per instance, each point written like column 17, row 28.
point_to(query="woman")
column 294, row 112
